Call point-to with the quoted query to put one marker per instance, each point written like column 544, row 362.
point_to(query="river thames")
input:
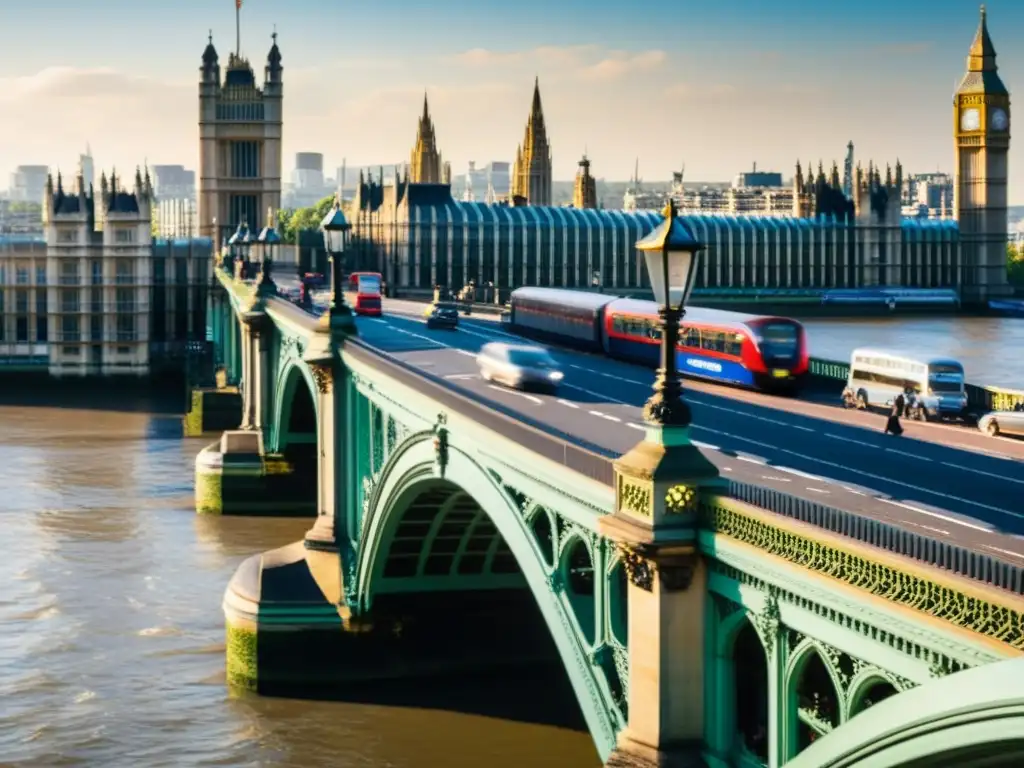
column 989, row 347
column 112, row 636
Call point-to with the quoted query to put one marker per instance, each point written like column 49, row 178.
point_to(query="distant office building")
column 86, row 169
column 475, row 184
column 28, row 183
column 173, row 182
column 308, row 185
column 755, row 179
column 21, row 218
column 929, row 195
column 176, row 218
column 499, row 182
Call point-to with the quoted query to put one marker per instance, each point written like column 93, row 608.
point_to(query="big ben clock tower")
column 981, row 114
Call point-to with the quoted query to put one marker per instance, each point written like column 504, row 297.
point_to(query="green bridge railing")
column 979, row 399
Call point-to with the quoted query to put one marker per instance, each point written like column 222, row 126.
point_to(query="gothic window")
column 817, row 701
column 750, row 690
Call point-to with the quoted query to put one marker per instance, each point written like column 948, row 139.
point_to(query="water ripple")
column 111, row 631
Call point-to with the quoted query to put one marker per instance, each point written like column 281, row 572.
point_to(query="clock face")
column 970, row 120
column 999, row 120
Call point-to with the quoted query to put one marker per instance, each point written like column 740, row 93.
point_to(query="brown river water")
column 111, row 631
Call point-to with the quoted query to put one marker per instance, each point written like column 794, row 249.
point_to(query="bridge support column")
column 655, row 528
column 248, row 382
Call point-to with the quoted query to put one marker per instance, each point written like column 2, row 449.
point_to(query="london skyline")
column 792, row 84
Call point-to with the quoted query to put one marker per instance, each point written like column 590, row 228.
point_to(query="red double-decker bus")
column 364, row 292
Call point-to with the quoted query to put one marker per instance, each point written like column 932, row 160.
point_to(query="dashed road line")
column 776, row 479
column 909, row 455
column 458, row 376
column 523, row 395
column 817, row 490
column 568, row 404
column 642, row 428
column 798, row 473
column 982, row 472
column 604, row 416
column 705, row 446
column 599, row 395
column 1017, row 555
column 850, row 440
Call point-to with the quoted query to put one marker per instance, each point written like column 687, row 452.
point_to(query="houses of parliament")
column 411, row 229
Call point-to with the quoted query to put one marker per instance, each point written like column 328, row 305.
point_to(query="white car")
column 1002, row 423
column 519, row 366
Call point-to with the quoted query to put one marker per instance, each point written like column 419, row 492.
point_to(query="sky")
column 715, row 85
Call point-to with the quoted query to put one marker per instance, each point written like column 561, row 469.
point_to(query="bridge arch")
column 743, row 686
column 412, row 474
column 810, row 666
column 970, row 718
column 868, row 688
column 294, row 401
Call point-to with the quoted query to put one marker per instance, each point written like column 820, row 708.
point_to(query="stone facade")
column 240, row 128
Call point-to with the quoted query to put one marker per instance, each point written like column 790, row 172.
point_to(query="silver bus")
column 877, row 376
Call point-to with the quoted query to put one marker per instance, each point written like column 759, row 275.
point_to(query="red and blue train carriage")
column 761, row 352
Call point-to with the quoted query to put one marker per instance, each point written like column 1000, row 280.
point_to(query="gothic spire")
column 982, row 57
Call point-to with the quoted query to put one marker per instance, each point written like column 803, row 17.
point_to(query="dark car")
column 443, row 314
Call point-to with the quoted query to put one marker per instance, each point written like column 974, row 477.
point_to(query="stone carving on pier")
column 674, row 571
column 323, row 375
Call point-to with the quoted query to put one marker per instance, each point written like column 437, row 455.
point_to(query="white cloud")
column 619, row 63
column 547, row 56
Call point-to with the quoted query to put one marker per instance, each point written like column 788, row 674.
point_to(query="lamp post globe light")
column 335, row 228
column 670, row 253
column 239, row 244
column 269, row 240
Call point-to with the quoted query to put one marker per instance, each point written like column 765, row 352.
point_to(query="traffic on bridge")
column 940, row 480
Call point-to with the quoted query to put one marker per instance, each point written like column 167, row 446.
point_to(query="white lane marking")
column 465, row 352
column 596, row 394
column 642, row 428
column 926, row 527
column 805, row 475
column 982, row 472
column 850, row 440
column 848, row 489
column 609, row 375
column 1018, row 555
column 749, row 415
column 937, row 515
column 457, row 375
column 751, row 460
column 569, row 404
column 705, row 446
column 817, row 490
column 604, row 416
column 523, row 395
column 766, row 445
column 873, row 476
column 904, row 453
column 776, row 479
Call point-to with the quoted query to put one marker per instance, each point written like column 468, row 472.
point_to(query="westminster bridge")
column 697, row 618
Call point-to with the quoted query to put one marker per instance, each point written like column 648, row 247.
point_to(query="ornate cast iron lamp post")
column 269, row 241
column 670, row 253
column 326, row 365
column 336, row 228
column 238, row 245
column 654, row 526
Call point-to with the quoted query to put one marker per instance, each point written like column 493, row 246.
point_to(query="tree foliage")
column 291, row 222
column 1015, row 264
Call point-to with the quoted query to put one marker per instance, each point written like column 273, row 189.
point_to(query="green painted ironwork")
column 438, row 501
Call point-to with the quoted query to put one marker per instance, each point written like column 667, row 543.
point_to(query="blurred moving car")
column 1009, row 423
column 519, row 366
column 443, row 314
